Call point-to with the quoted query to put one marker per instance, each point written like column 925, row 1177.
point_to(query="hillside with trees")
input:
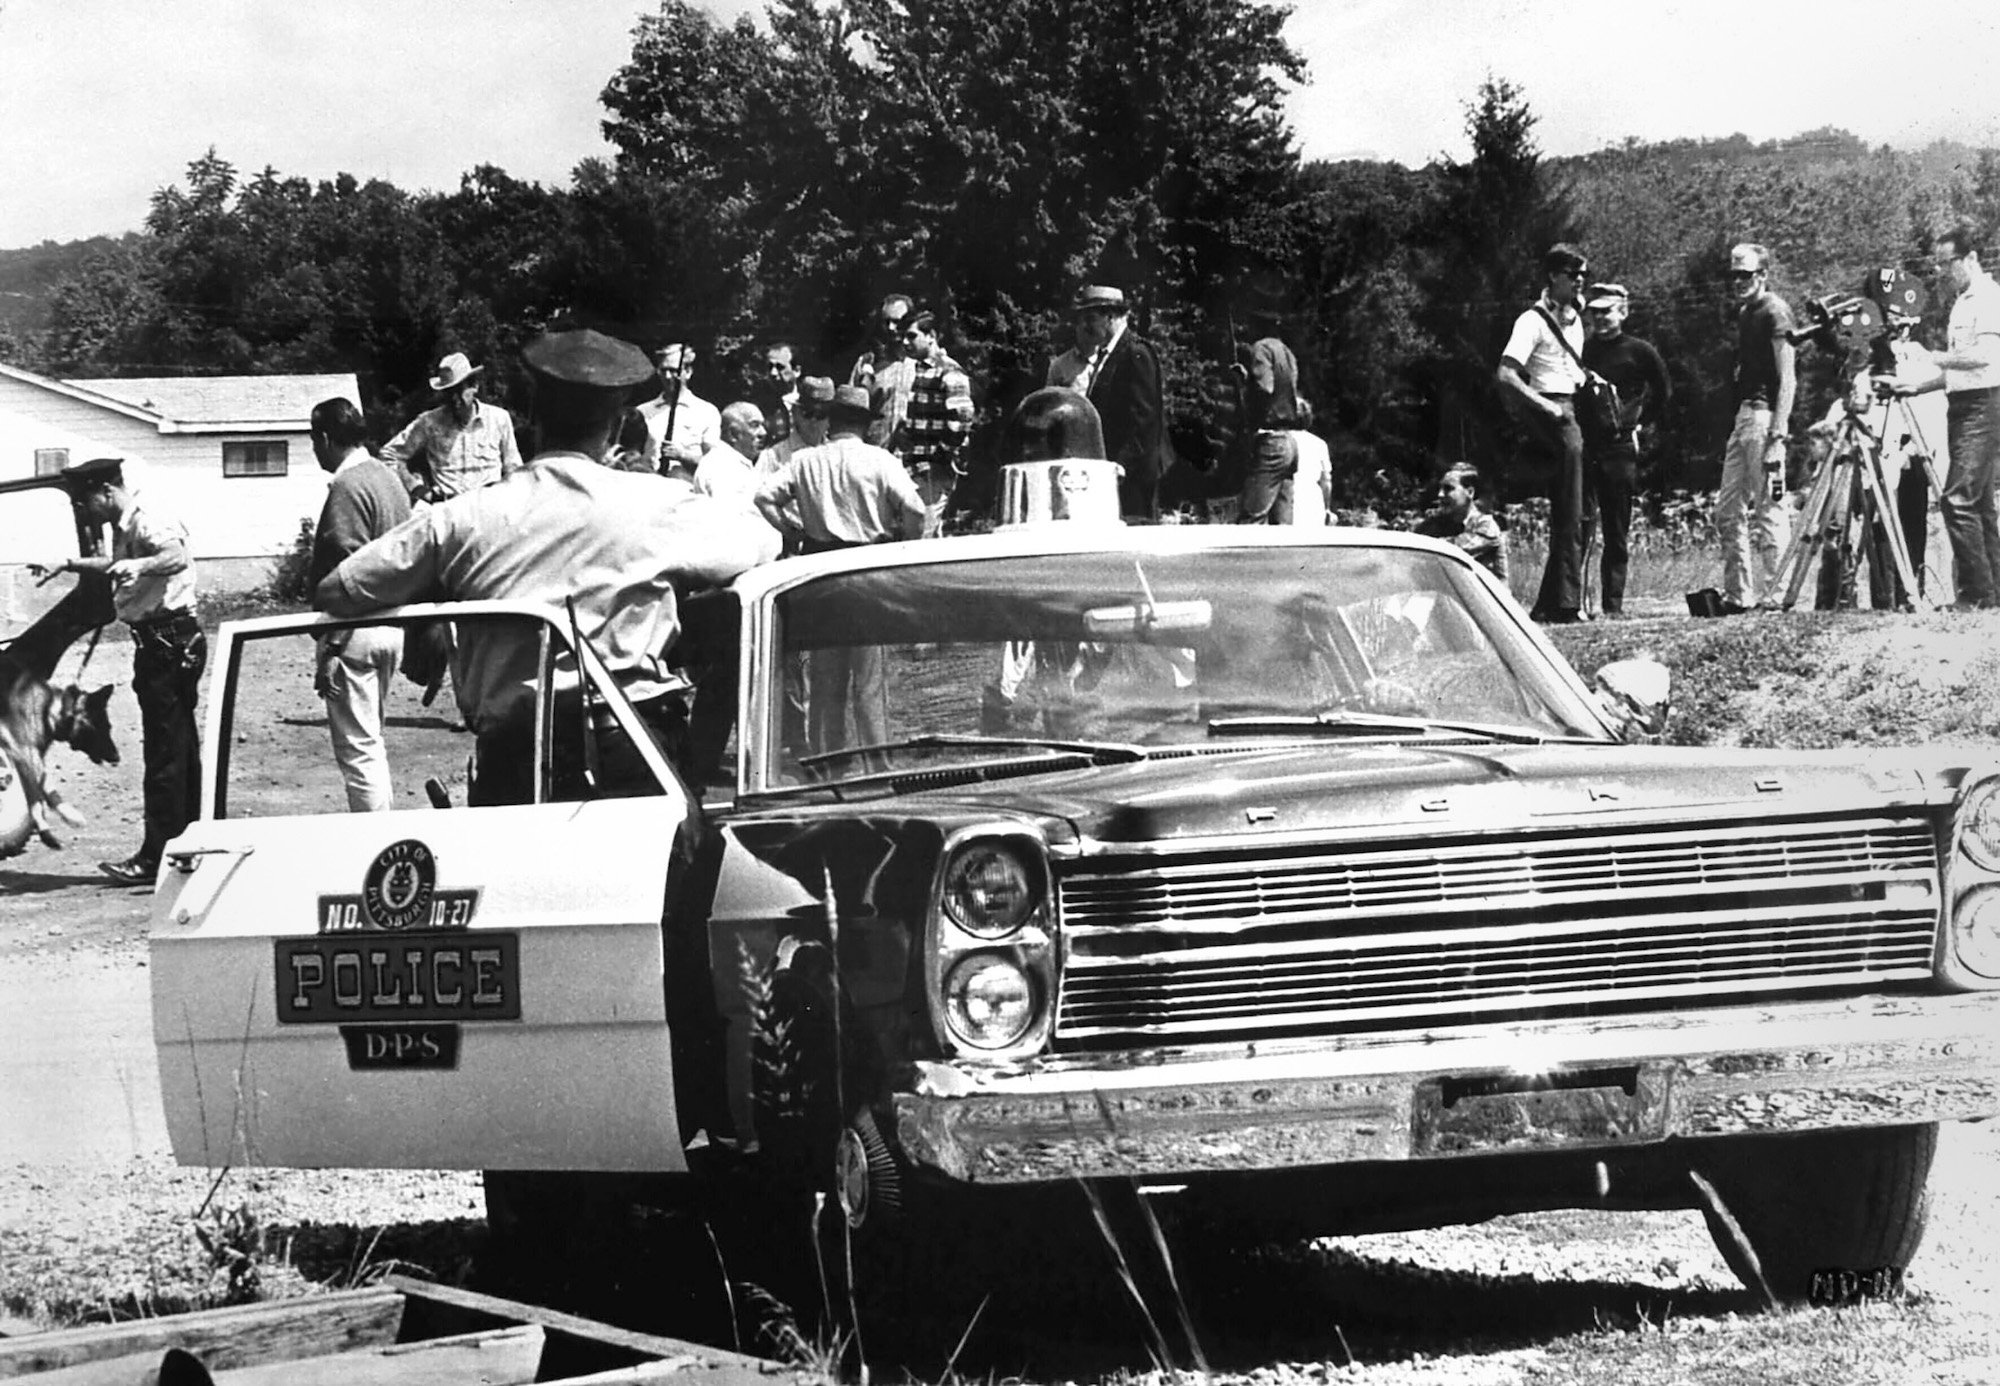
column 777, row 178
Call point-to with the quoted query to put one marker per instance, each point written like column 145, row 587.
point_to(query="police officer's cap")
column 95, row 472
column 587, row 360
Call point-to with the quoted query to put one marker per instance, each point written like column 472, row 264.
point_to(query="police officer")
column 153, row 590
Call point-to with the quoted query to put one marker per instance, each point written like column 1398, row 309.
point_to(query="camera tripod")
column 1850, row 493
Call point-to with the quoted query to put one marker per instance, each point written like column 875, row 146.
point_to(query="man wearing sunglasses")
column 1542, row 366
column 1753, row 463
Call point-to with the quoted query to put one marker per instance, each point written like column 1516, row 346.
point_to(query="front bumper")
column 1546, row 1085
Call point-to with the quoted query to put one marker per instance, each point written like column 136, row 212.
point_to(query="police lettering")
column 367, row 977
column 400, row 1046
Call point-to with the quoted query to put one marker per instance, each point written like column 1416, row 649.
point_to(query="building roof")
column 226, row 403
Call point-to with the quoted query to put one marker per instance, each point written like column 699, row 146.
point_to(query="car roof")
column 1052, row 539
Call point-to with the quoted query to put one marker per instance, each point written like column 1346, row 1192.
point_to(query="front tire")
column 1853, row 1200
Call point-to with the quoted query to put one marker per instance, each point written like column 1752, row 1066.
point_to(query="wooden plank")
column 241, row 1336
column 696, row 1371
column 497, row 1357
column 642, row 1345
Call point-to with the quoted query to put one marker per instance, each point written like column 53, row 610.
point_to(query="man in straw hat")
column 462, row 444
column 619, row 548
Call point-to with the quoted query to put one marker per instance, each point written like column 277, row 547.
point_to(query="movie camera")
column 1852, row 496
column 1842, row 324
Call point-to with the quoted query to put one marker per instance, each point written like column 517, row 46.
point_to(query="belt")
column 166, row 620
column 1555, row 394
column 811, row 545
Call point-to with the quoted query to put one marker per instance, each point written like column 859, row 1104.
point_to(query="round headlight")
column 988, row 891
column 1979, row 825
column 1976, row 930
column 990, row 1001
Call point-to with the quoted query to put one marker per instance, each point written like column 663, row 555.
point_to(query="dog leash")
column 89, row 650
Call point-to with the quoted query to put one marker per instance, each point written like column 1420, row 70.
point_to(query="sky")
column 105, row 101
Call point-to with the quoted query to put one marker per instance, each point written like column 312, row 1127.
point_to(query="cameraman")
column 1971, row 382
column 1906, row 432
column 1753, row 463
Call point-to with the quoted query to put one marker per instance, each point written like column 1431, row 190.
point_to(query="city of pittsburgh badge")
column 396, row 892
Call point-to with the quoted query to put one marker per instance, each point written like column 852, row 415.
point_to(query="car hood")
column 1449, row 788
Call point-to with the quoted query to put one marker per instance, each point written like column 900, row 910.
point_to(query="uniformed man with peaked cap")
column 623, row 547
column 152, row 576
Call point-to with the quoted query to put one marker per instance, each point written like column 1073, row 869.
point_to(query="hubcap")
column 850, row 1177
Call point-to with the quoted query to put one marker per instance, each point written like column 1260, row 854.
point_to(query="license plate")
column 368, row 978
column 1574, row 1109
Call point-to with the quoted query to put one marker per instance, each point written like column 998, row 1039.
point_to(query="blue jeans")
column 1972, row 423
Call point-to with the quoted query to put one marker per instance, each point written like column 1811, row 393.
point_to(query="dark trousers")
column 1272, row 460
column 1562, row 578
column 1972, row 423
column 1613, row 476
column 167, row 661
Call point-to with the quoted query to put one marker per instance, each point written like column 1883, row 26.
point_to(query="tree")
column 1495, row 215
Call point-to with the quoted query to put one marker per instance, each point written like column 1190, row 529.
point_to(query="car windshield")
column 1098, row 654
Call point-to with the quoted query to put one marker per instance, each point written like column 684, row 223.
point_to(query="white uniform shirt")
column 1539, row 353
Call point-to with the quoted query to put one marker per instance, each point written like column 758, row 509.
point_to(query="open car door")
column 430, row 986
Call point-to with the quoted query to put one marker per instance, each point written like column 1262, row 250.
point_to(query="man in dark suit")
column 1119, row 372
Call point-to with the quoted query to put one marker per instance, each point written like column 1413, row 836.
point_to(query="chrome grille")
column 1209, row 944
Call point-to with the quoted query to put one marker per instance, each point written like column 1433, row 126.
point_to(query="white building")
column 229, row 453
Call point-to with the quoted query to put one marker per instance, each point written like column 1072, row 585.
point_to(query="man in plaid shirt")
column 927, row 401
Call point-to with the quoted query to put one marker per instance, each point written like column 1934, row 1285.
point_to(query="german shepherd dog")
column 33, row 717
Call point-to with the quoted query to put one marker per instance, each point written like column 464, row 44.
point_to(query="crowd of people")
column 807, row 461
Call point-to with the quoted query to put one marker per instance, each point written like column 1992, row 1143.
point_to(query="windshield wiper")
column 1102, row 752
column 1340, row 723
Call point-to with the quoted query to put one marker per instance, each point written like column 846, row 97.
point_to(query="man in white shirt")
column 681, row 426
column 845, row 492
column 1312, row 484
column 618, row 548
column 728, row 471
column 1971, row 382
column 1541, row 366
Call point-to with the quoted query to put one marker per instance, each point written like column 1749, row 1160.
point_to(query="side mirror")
column 1637, row 695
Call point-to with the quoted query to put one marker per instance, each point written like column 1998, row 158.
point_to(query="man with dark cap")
column 619, row 548
column 1639, row 376
column 1542, row 365
column 153, row 590
column 461, row 445
column 1119, row 373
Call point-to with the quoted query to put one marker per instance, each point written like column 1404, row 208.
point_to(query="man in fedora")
column 462, row 444
column 153, row 591
column 619, row 548
column 681, row 426
column 1119, row 372
column 843, row 493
